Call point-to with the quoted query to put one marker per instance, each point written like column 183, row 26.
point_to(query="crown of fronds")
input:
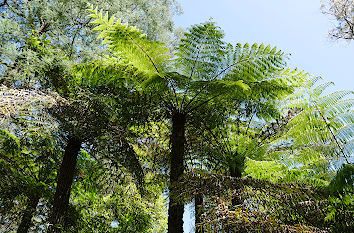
column 204, row 63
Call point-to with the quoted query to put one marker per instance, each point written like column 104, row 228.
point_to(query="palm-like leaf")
column 130, row 43
column 325, row 119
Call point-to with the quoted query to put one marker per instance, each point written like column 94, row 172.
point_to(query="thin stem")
column 143, row 50
column 204, row 102
column 212, row 79
column 333, row 135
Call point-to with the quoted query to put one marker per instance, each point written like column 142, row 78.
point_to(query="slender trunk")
column 64, row 181
column 198, row 209
column 26, row 220
column 176, row 208
column 235, row 172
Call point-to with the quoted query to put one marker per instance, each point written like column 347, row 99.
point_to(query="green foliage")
column 340, row 210
column 65, row 26
column 130, row 43
column 343, row 181
column 246, row 113
column 113, row 205
column 325, row 125
column 28, row 164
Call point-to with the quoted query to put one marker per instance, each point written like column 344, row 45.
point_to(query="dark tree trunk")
column 26, row 220
column 64, row 181
column 175, row 208
column 236, row 172
column 198, row 209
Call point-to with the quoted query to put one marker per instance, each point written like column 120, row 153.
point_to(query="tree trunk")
column 198, row 209
column 235, row 172
column 26, row 220
column 64, row 181
column 176, row 208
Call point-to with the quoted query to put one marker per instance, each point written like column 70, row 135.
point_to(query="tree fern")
column 330, row 114
column 203, row 71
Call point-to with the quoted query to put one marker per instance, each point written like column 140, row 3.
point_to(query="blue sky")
column 295, row 26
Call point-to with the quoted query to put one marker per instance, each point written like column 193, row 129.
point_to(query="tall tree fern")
column 204, row 71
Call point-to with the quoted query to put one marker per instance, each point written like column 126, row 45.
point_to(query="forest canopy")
column 112, row 120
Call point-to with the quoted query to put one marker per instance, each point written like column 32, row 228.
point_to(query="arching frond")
column 325, row 120
column 130, row 43
column 332, row 98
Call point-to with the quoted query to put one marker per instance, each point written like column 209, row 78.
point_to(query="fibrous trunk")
column 26, row 220
column 64, row 182
column 236, row 173
column 176, row 208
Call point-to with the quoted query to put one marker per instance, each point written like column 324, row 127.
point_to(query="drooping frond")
column 267, row 206
column 325, row 120
column 111, row 71
column 113, row 150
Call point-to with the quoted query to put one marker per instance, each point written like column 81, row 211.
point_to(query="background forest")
column 112, row 120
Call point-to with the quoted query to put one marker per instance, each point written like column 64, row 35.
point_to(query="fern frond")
column 332, row 98
column 200, row 52
column 255, row 63
column 340, row 107
column 110, row 71
column 326, row 120
column 346, row 132
column 345, row 118
column 130, row 43
column 320, row 88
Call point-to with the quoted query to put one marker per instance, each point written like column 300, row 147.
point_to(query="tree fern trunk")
column 26, row 219
column 175, row 208
column 236, row 173
column 198, row 209
column 64, row 182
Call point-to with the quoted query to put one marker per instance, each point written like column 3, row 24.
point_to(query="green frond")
column 325, row 123
column 346, row 132
column 229, row 87
column 110, row 71
column 317, row 91
column 332, row 98
column 343, row 179
column 265, row 170
column 155, row 82
column 200, row 52
column 252, row 63
column 292, row 77
column 349, row 147
column 340, row 107
column 9, row 143
column 131, row 44
column 312, row 81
